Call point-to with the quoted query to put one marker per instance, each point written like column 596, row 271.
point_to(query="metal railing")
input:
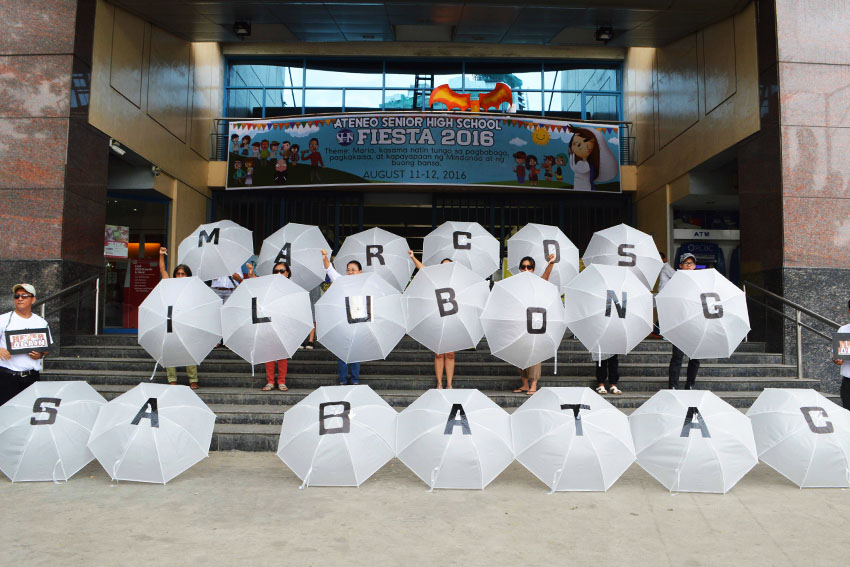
column 799, row 311
column 80, row 291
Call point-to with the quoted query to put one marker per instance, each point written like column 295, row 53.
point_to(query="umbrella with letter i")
column 465, row 242
column 625, row 247
column 216, row 249
column 300, row 246
column 539, row 241
column 378, row 251
column 44, row 431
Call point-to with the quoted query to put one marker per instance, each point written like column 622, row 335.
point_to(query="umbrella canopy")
column 44, row 431
column 692, row 441
column 454, row 439
column 444, row 304
column 300, row 246
column 180, row 321
column 338, row 436
column 380, row 252
column 152, row 433
column 360, row 318
column 216, row 249
column 803, row 436
column 539, row 241
column 266, row 318
column 608, row 309
column 464, row 242
column 703, row 313
column 524, row 320
column 626, row 247
column 572, row 439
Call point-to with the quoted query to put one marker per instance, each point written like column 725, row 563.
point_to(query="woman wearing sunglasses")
column 281, row 268
column 532, row 373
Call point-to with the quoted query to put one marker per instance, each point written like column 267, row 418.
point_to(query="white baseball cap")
column 25, row 286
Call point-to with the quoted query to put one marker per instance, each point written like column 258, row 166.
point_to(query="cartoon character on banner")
column 548, row 163
column 245, row 146
column 531, row 166
column 315, row 160
column 294, row 155
column 284, row 150
column 264, row 152
column 249, row 172
column 280, row 172
column 255, row 151
column 273, row 152
column 234, row 143
column 591, row 159
column 561, row 160
column 238, row 172
column 519, row 158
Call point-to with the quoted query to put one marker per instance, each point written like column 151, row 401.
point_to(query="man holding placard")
column 842, row 357
column 24, row 340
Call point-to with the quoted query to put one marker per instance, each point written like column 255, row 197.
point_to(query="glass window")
column 244, row 103
column 321, row 101
column 515, row 75
column 580, row 79
column 602, row 107
column 265, row 75
column 563, row 104
column 283, row 102
column 356, row 99
column 344, row 73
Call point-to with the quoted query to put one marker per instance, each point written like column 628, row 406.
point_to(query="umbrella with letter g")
column 378, row 251
column 464, row 242
column 300, row 246
column 625, row 247
column 216, row 249
column 539, row 241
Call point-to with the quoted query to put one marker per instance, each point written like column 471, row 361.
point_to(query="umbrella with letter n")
column 44, row 431
column 216, row 250
column 572, row 439
column 360, row 318
column 692, row 441
column 378, row 251
column 803, row 436
column 625, row 247
column 180, row 321
column 338, row 436
column 539, row 241
column 152, row 433
column 454, row 439
column 444, row 304
column 266, row 319
column 524, row 320
column 300, row 246
column 703, row 314
column 465, row 242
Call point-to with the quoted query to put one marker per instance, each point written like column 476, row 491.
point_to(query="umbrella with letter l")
column 300, row 246
column 44, row 431
column 378, row 251
column 465, row 242
column 625, row 247
column 216, row 249
column 539, row 241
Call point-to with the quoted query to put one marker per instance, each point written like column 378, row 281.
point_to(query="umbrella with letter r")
column 300, row 246
column 465, row 242
column 625, row 247
column 378, row 251
column 216, row 250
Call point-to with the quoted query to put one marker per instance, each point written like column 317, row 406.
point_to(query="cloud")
column 302, row 131
column 563, row 136
column 518, row 142
column 615, row 141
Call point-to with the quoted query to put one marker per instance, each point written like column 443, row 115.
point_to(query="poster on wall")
column 143, row 275
column 436, row 148
column 116, row 240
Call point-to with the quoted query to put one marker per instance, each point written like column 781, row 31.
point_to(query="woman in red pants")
column 283, row 269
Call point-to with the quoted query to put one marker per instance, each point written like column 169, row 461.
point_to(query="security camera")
column 155, row 170
column 115, row 146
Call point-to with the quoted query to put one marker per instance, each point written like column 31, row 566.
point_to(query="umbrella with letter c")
column 378, row 251
column 625, row 247
column 465, row 242
column 300, row 246
column 216, row 250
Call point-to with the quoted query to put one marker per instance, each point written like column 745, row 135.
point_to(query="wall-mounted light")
column 115, row 146
column 242, row 29
column 155, row 170
column 604, row 33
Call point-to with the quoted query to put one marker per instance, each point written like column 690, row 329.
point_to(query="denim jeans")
column 345, row 369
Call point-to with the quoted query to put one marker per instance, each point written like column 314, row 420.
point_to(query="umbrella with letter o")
column 444, row 304
column 338, row 436
column 44, row 431
column 465, row 242
column 625, row 247
column 539, row 241
column 454, row 439
column 703, row 314
column 378, row 251
column 152, row 433
column 692, row 441
column 803, row 436
column 300, row 246
column 216, row 250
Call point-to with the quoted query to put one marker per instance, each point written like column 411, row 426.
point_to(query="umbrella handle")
column 555, row 479
column 58, row 464
column 434, row 473
column 306, row 479
column 155, row 364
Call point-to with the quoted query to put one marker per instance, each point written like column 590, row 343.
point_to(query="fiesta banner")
column 435, row 148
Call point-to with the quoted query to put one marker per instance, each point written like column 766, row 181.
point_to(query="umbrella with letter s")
column 539, row 241
column 465, row 242
column 300, row 246
column 216, row 249
column 625, row 247
column 378, row 251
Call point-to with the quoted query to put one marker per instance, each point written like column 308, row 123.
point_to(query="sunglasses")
column 22, row 296
column 280, row 272
column 524, row 267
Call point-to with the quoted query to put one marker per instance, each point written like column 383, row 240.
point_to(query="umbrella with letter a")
column 300, row 246
column 216, row 249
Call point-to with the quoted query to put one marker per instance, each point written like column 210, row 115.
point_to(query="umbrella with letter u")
column 539, row 241
column 625, row 247
column 300, row 246
column 378, row 251
column 216, row 249
column 465, row 242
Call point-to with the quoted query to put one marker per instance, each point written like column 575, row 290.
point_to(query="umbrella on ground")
column 44, row 431
column 703, row 313
column 300, row 246
column 539, row 241
column 338, row 436
column 464, row 242
column 180, row 321
column 360, row 318
column 572, row 439
column 266, row 318
column 454, row 439
column 524, row 320
column 152, row 433
column 692, row 441
column 444, row 304
column 216, row 249
column 380, row 252
column 626, row 247
column 804, row 436
column 608, row 309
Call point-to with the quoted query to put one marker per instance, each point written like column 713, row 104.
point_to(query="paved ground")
column 246, row 509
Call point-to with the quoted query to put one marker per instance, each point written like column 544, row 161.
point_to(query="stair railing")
column 80, row 291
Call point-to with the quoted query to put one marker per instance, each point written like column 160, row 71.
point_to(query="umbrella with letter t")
column 300, row 246
column 378, row 251
column 625, row 247
column 216, row 250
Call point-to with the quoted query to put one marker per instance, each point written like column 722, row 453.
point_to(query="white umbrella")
column 338, row 436
column 266, row 318
column 180, row 321
column 152, row 433
column 454, row 439
column 539, row 241
column 44, row 431
column 626, row 247
column 360, row 318
column 300, row 246
column 608, row 309
column 572, row 439
column 380, row 252
column 524, row 320
column 692, row 441
column 465, row 242
column 804, row 436
column 703, row 313
column 216, row 249
column 444, row 304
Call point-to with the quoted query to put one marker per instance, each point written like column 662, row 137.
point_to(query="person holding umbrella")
column 686, row 262
column 345, row 370
column 532, row 373
column 281, row 268
column 447, row 359
column 181, row 271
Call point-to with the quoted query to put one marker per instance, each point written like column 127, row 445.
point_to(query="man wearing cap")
column 686, row 262
column 18, row 371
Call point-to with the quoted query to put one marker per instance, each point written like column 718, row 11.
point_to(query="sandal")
column 530, row 392
column 614, row 389
column 193, row 385
column 282, row 387
column 173, row 383
column 601, row 389
column 268, row 387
